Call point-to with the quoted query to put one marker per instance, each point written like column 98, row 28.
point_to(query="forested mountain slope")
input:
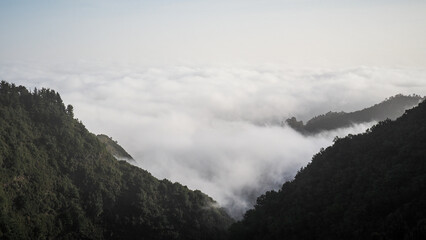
column 58, row 181
column 368, row 186
column 391, row 108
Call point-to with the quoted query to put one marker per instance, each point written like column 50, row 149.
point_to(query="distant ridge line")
column 391, row 108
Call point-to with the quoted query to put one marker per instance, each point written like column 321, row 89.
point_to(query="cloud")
column 215, row 128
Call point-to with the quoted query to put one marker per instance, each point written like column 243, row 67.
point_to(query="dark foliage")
column 391, row 108
column 368, row 186
column 58, row 181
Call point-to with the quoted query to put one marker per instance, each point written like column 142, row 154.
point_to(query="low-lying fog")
column 216, row 129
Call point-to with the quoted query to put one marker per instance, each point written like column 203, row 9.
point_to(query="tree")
column 70, row 110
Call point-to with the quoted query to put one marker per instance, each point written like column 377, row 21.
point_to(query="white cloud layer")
column 214, row 128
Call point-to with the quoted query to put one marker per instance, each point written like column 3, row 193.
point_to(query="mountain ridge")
column 365, row 186
column 58, row 181
column 391, row 108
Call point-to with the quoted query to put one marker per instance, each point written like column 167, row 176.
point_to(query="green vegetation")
column 391, row 108
column 58, row 181
column 367, row 186
column 114, row 148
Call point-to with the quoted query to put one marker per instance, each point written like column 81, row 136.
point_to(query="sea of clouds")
column 216, row 129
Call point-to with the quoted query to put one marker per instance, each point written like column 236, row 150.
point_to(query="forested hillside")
column 368, row 186
column 391, row 108
column 58, row 181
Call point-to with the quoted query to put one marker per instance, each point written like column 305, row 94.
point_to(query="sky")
column 195, row 91
column 314, row 33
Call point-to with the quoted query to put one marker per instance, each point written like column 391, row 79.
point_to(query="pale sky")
column 315, row 33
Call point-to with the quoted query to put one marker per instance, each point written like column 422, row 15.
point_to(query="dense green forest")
column 114, row 148
column 391, row 108
column 366, row 186
column 58, row 181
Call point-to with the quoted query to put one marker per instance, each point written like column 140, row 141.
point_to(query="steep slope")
column 391, row 108
column 114, row 148
column 368, row 186
column 58, row 181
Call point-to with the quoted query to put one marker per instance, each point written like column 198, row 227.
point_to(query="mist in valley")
column 218, row 129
